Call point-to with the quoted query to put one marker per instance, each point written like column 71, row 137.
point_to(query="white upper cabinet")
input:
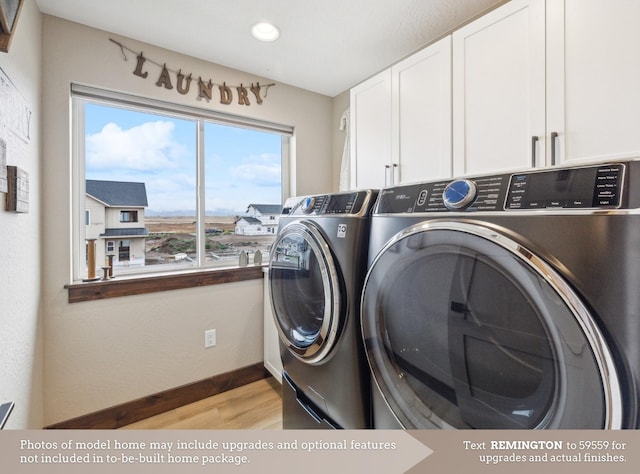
column 593, row 79
column 421, row 115
column 370, row 132
column 499, row 90
column 532, row 83
column 401, row 121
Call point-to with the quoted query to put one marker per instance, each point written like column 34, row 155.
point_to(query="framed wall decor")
column 18, row 193
column 9, row 12
column 3, row 166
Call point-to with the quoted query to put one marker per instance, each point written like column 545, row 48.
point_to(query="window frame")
column 82, row 94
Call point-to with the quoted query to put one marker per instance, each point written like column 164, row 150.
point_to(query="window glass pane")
column 140, row 172
column 243, row 192
column 147, row 184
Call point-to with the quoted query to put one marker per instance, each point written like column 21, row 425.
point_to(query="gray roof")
column 250, row 220
column 118, row 193
column 132, row 232
column 267, row 208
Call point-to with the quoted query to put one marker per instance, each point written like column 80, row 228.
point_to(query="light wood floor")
column 256, row 406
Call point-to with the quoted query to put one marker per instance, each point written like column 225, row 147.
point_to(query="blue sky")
column 241, row 166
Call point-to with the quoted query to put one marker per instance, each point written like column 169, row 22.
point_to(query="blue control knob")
column 459, row 194
column 307, row 205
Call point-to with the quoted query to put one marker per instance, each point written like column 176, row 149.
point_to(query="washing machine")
column 316, row 271
column 509, row 301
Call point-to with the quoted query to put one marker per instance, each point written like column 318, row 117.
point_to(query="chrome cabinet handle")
column 534, row 142
column 554, row 139
column 393, row 174
column 387, row 169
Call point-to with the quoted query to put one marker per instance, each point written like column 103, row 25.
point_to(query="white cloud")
column 150, row 146
column 262, row 170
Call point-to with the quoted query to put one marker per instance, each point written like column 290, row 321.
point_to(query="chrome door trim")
column 595, row 338
column 325, row 341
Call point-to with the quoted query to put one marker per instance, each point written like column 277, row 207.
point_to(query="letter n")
column 204, row 90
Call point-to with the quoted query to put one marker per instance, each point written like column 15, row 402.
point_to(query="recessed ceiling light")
column 265, row 32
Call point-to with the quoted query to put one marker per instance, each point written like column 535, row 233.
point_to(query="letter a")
column 138, row 70
column 164, row 79
column 226, row 95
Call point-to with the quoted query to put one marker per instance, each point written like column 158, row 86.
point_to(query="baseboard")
column 136, row 410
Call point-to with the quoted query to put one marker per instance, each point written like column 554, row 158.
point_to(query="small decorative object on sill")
column 105, row 271
column 257, row 258
column 91, row 261
column 110, row 264
column 244, row 259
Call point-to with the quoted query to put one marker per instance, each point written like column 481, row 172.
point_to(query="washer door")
column 305, row 292
column 465, row 328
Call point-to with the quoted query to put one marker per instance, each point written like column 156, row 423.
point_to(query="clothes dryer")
column 316, row 271
column 507, row 301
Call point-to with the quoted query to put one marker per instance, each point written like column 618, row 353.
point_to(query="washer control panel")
column 588, row 187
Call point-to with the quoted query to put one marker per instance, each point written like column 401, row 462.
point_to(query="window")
column 128, row 216
column 164, row 187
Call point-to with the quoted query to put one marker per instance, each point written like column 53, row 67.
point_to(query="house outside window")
column 187, row 179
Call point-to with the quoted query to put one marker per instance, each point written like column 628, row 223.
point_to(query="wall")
column 21, row 325
column 99, row 354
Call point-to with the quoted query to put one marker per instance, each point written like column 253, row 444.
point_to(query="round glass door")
column 305, row 292
column 465, row 328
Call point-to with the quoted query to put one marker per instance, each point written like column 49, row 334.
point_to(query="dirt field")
column 172, row 239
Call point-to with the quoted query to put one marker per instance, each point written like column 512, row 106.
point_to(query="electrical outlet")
column 210, row 338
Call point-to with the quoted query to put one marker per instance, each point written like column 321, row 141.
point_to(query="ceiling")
column 325, row 46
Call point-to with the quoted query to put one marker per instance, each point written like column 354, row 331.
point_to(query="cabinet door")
column 421, row 98
column 370, row 128
column 499, row 89
column 593, row 101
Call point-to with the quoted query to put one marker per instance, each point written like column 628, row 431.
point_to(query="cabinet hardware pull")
column 534, row 141
column 393, row 174
column 387, row 171
column 554, row 137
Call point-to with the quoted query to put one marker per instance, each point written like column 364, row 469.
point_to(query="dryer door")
column 466, row 328
column 305, row 291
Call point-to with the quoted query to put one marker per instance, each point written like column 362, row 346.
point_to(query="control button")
column 422, row 197
column 459, row 194
column 307, row 205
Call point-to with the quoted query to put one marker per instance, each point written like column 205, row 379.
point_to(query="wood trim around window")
column 126, row 286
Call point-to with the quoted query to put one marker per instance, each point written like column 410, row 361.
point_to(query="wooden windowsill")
column 126, row 286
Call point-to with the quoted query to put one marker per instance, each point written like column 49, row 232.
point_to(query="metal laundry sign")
column 204, row 89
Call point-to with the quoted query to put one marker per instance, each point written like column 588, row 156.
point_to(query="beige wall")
column 21, row 325
column 98, row 354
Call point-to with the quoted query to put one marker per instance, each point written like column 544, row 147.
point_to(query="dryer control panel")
column 588, row 187
column 351, row 203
